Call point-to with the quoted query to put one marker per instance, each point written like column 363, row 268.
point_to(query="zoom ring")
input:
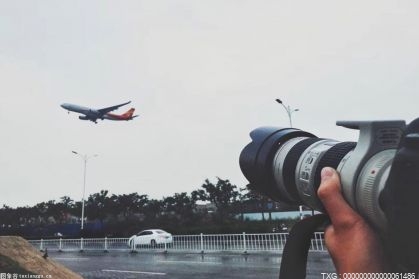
column 332, row 158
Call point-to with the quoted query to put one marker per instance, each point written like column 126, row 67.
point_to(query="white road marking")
column 71, row 259
column 273, row 266
column 190, row 262
column 133, row 271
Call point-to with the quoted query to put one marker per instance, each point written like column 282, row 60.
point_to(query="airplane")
column 104, row 113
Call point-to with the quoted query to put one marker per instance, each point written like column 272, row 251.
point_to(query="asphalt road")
column 184, row 265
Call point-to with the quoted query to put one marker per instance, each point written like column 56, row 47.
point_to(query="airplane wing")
column 109, row 109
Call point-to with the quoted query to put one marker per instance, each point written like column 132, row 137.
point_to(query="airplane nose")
column 63, row 105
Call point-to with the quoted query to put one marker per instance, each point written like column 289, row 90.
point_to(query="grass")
column 8, row 265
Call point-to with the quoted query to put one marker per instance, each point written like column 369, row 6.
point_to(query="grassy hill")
column 18, row 256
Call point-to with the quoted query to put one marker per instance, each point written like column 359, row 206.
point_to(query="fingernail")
column 326, row 173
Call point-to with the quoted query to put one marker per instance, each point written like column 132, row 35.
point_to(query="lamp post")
column 288, row 109
column 85, row 159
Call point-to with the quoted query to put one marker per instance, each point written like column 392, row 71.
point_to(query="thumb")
column 329, row 192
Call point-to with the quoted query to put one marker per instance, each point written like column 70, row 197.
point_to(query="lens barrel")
column 285, row 164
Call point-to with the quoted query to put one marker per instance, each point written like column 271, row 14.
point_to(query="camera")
column 379, row 176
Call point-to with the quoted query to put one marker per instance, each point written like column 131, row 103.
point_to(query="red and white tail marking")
column 125, row 116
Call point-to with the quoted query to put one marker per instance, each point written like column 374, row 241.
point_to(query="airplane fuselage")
column 89, row 114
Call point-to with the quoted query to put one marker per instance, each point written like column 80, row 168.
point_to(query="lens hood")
column 256, row 158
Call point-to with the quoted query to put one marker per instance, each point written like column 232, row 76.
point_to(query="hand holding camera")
column 353, row 245
column 379, row 178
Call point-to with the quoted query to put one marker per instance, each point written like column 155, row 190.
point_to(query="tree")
column 24, row 214
column 76, row 209
column 53, row 210
column 65, row 206
column 41, row 212
column 222, row 194
column 7, row 216
column 128, row 204
column 180, row 205
column 67, row 202
column 98, row 205
column 153, row 209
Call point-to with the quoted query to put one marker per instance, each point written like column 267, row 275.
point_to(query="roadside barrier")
column 201, row 243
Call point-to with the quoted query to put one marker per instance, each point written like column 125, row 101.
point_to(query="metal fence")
column 196, row 243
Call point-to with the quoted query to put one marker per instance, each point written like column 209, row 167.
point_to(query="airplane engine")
column 83, row 118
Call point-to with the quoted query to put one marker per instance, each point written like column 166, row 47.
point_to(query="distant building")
column 206, row 208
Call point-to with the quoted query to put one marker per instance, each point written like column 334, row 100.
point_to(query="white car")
column 150, row 237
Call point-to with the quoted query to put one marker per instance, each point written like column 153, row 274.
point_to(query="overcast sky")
column 201, row 75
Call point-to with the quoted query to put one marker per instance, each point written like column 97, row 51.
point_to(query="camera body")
column 379, row 175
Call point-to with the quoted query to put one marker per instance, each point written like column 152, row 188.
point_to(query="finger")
column 329, row 192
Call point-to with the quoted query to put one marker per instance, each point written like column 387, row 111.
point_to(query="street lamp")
column 288, row 109
column 85, row 159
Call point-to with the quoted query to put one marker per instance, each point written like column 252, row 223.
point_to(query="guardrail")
column 202, row 243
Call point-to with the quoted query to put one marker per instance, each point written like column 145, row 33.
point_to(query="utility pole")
column 85, row 159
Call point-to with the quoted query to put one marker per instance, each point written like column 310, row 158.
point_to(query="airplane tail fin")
column 129, row 113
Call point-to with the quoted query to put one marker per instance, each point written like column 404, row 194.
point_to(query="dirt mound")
column 18, row 256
